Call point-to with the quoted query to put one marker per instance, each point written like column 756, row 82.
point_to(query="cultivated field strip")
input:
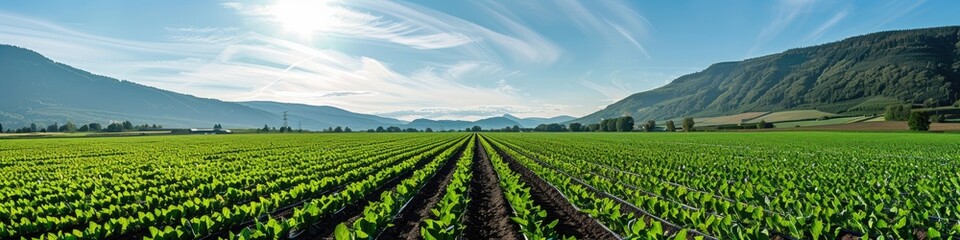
column 801, row 185
column 618, row 215
column 236, row 187
column 483, row 186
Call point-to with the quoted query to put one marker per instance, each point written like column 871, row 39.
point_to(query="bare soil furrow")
column 488, row 215
column 572, row 221
column 406, row 225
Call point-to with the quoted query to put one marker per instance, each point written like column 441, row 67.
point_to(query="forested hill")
column 856, row 75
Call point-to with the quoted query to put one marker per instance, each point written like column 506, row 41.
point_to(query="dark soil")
column 920, row 233
column 488, row 216
column 406, row 225
column 849, row 234
column 572, row 222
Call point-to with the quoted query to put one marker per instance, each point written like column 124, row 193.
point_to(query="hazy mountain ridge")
column 39, row 90
column 848, row 76
column 534, row 121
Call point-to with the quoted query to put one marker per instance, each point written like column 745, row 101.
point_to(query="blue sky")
column 436, row 59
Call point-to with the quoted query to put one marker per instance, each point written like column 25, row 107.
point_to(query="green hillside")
column 853, row 76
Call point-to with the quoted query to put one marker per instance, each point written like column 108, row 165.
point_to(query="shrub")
column 919, row 121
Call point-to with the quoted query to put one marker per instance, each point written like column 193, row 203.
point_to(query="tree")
column 265, row 128
column 115, row 127
column 650, row 125
column 347, row 129
column 95, row 127
column 603, row 125
column 919, row 121
column 593, row 127
column 898, row 112
column 127, row 125
column 53, row 128
column 380, row 129
column 428, row 130
column 69, row 127
column 84, row 128
column 688, row 124
column 475, row 129
column 33, row 127
column 516, row 128
column 670, row 126
column 575, row 127
column 1, row 127
column 762, row 124
column 625, row 124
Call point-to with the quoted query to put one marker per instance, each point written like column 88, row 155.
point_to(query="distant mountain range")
column 506, row 120
column 36, row 89
column 857, row 75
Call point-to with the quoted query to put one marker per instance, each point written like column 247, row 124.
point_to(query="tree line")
column 619, row 124
column 91, row 127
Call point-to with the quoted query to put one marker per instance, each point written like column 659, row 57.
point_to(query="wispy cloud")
column 332, row 18
column 897, row 9
column 610, row 20
column 610, row 90
column 787, row 11
column 816, row 34
column 630, row 38
column 207, row 35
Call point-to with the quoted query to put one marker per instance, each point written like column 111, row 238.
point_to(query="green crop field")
column 764, row 185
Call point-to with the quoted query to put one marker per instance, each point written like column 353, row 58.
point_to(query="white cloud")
column 504, row 87
column 333, row 18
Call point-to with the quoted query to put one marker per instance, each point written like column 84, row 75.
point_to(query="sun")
column 305, row 17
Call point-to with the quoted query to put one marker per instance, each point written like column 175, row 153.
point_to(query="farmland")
column 758, row 185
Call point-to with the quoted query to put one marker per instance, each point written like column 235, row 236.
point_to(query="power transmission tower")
column 285, row 120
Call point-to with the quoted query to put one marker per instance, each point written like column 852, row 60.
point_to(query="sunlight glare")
column 305, row 17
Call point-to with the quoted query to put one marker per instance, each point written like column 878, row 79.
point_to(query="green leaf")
column 932, row 233
column 341, row 232
column 816, row 229
column 682, row 235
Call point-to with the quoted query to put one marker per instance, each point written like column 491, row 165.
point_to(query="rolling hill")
column 856, row 75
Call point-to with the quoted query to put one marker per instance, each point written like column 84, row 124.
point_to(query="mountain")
column 38, row 90
column 535, row 121
column 436, row 125
column 853, row 76
column 318, row 117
